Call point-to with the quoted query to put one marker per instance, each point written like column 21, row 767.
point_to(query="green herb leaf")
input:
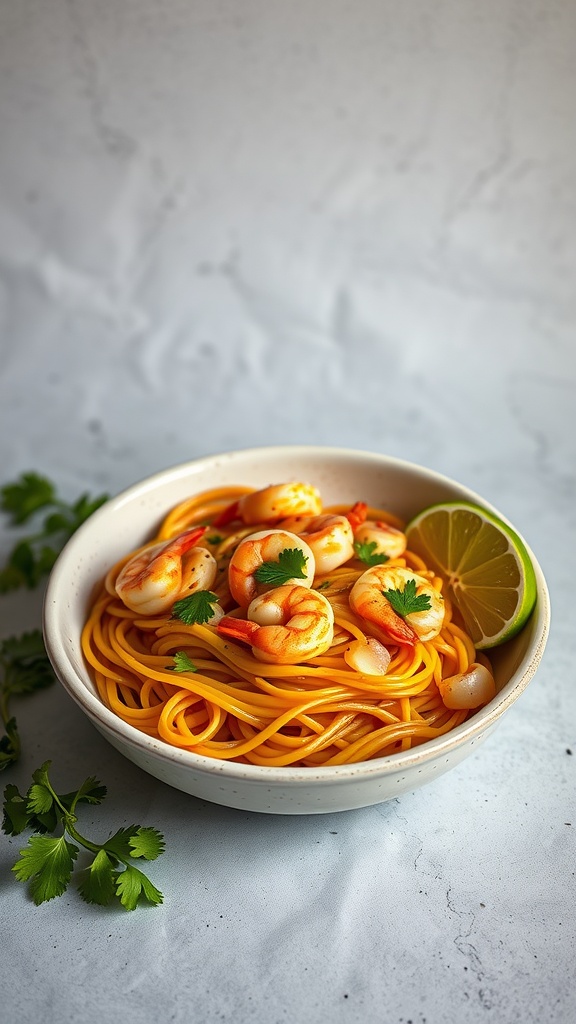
column 290, row 566
column 9, row 744
column 147, row 843
column 24, row 497
column 98, row 884
column 119, row 844
column 32, row 557
column 24, row 668
column 366, row 552
column 406, row 601
column 47, row 862
column 132, row 885
column 16, row 815
column 182, row 663
column 196, row 608
column 91, row 792
column 215, row 538
column 135, row 841
column 40, row 799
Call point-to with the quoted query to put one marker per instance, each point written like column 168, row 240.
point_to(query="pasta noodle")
column 198, row 688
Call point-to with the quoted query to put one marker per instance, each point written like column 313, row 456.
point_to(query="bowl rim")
column 474, row 727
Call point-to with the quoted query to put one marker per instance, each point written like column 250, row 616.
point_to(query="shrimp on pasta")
column 272, row 504
column 286, row 626
column 417, row 613
column 245, row 576
column 265, row 627
column 330, row 537
column 155, row 577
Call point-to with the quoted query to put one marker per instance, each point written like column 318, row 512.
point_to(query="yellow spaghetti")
column 199, row 686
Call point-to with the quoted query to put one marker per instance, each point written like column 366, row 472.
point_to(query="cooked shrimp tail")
column 422, row 618
column 357, row 514
column 284, row 626
column 395, row 628
column 238, row 629
column 270, row 504
column 188, row 539
column 227, row 515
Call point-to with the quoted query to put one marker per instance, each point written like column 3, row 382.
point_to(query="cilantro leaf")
column 9, row 744
column 132, row 884
column 147, row 843
column 24, row 668
column 25, row 496
column 366, row 552
column 290, row 566
column 406, row 601
column 40, row 799
column 98, row 884
column 47, row 863
column 16, row 814
column 119, row 844
column 182, row 663
column 196, row 608
column 32, row 557
column 90, row 792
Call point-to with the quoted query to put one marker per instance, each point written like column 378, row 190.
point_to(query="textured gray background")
column 233, row 223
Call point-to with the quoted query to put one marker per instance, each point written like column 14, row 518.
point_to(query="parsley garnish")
column 197, row 607
column 215, row 538
column 366, row 552
column 290, row 566
column 406, row 601
column 182, row 663
column 24, row 668
column 33, row 556
column 47, row 862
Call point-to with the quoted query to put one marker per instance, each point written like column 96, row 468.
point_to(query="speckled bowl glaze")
column 342, row 475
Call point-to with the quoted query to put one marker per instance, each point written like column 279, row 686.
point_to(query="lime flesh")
column 485, row 563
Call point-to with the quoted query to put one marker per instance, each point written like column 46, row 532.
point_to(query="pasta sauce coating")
column 300, row 664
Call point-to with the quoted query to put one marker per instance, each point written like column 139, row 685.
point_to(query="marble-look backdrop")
column 227, row 223
column 347, row 222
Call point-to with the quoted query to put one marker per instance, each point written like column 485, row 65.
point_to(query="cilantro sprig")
column 33, row 556
column 406, row 600
column 196, row 608
column 24, row 669
column 367, row 553
column 48, row 861
column 183, row 663
column 291, row 565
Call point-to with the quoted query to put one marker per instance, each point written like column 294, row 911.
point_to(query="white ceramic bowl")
column 342, row 475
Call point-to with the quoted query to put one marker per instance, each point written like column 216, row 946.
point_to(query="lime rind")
column 496, row 587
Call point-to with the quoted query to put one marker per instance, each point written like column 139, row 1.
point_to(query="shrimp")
column 270, row 504
column 250, row 555
column 387, row 540
column 330, row 537
column 368, row 600
column 286, row 626
column 154, row 578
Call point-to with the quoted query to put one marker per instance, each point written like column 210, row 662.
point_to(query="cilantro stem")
column 69, row 819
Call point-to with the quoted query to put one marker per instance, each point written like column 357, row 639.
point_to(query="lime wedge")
column 485, row 563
